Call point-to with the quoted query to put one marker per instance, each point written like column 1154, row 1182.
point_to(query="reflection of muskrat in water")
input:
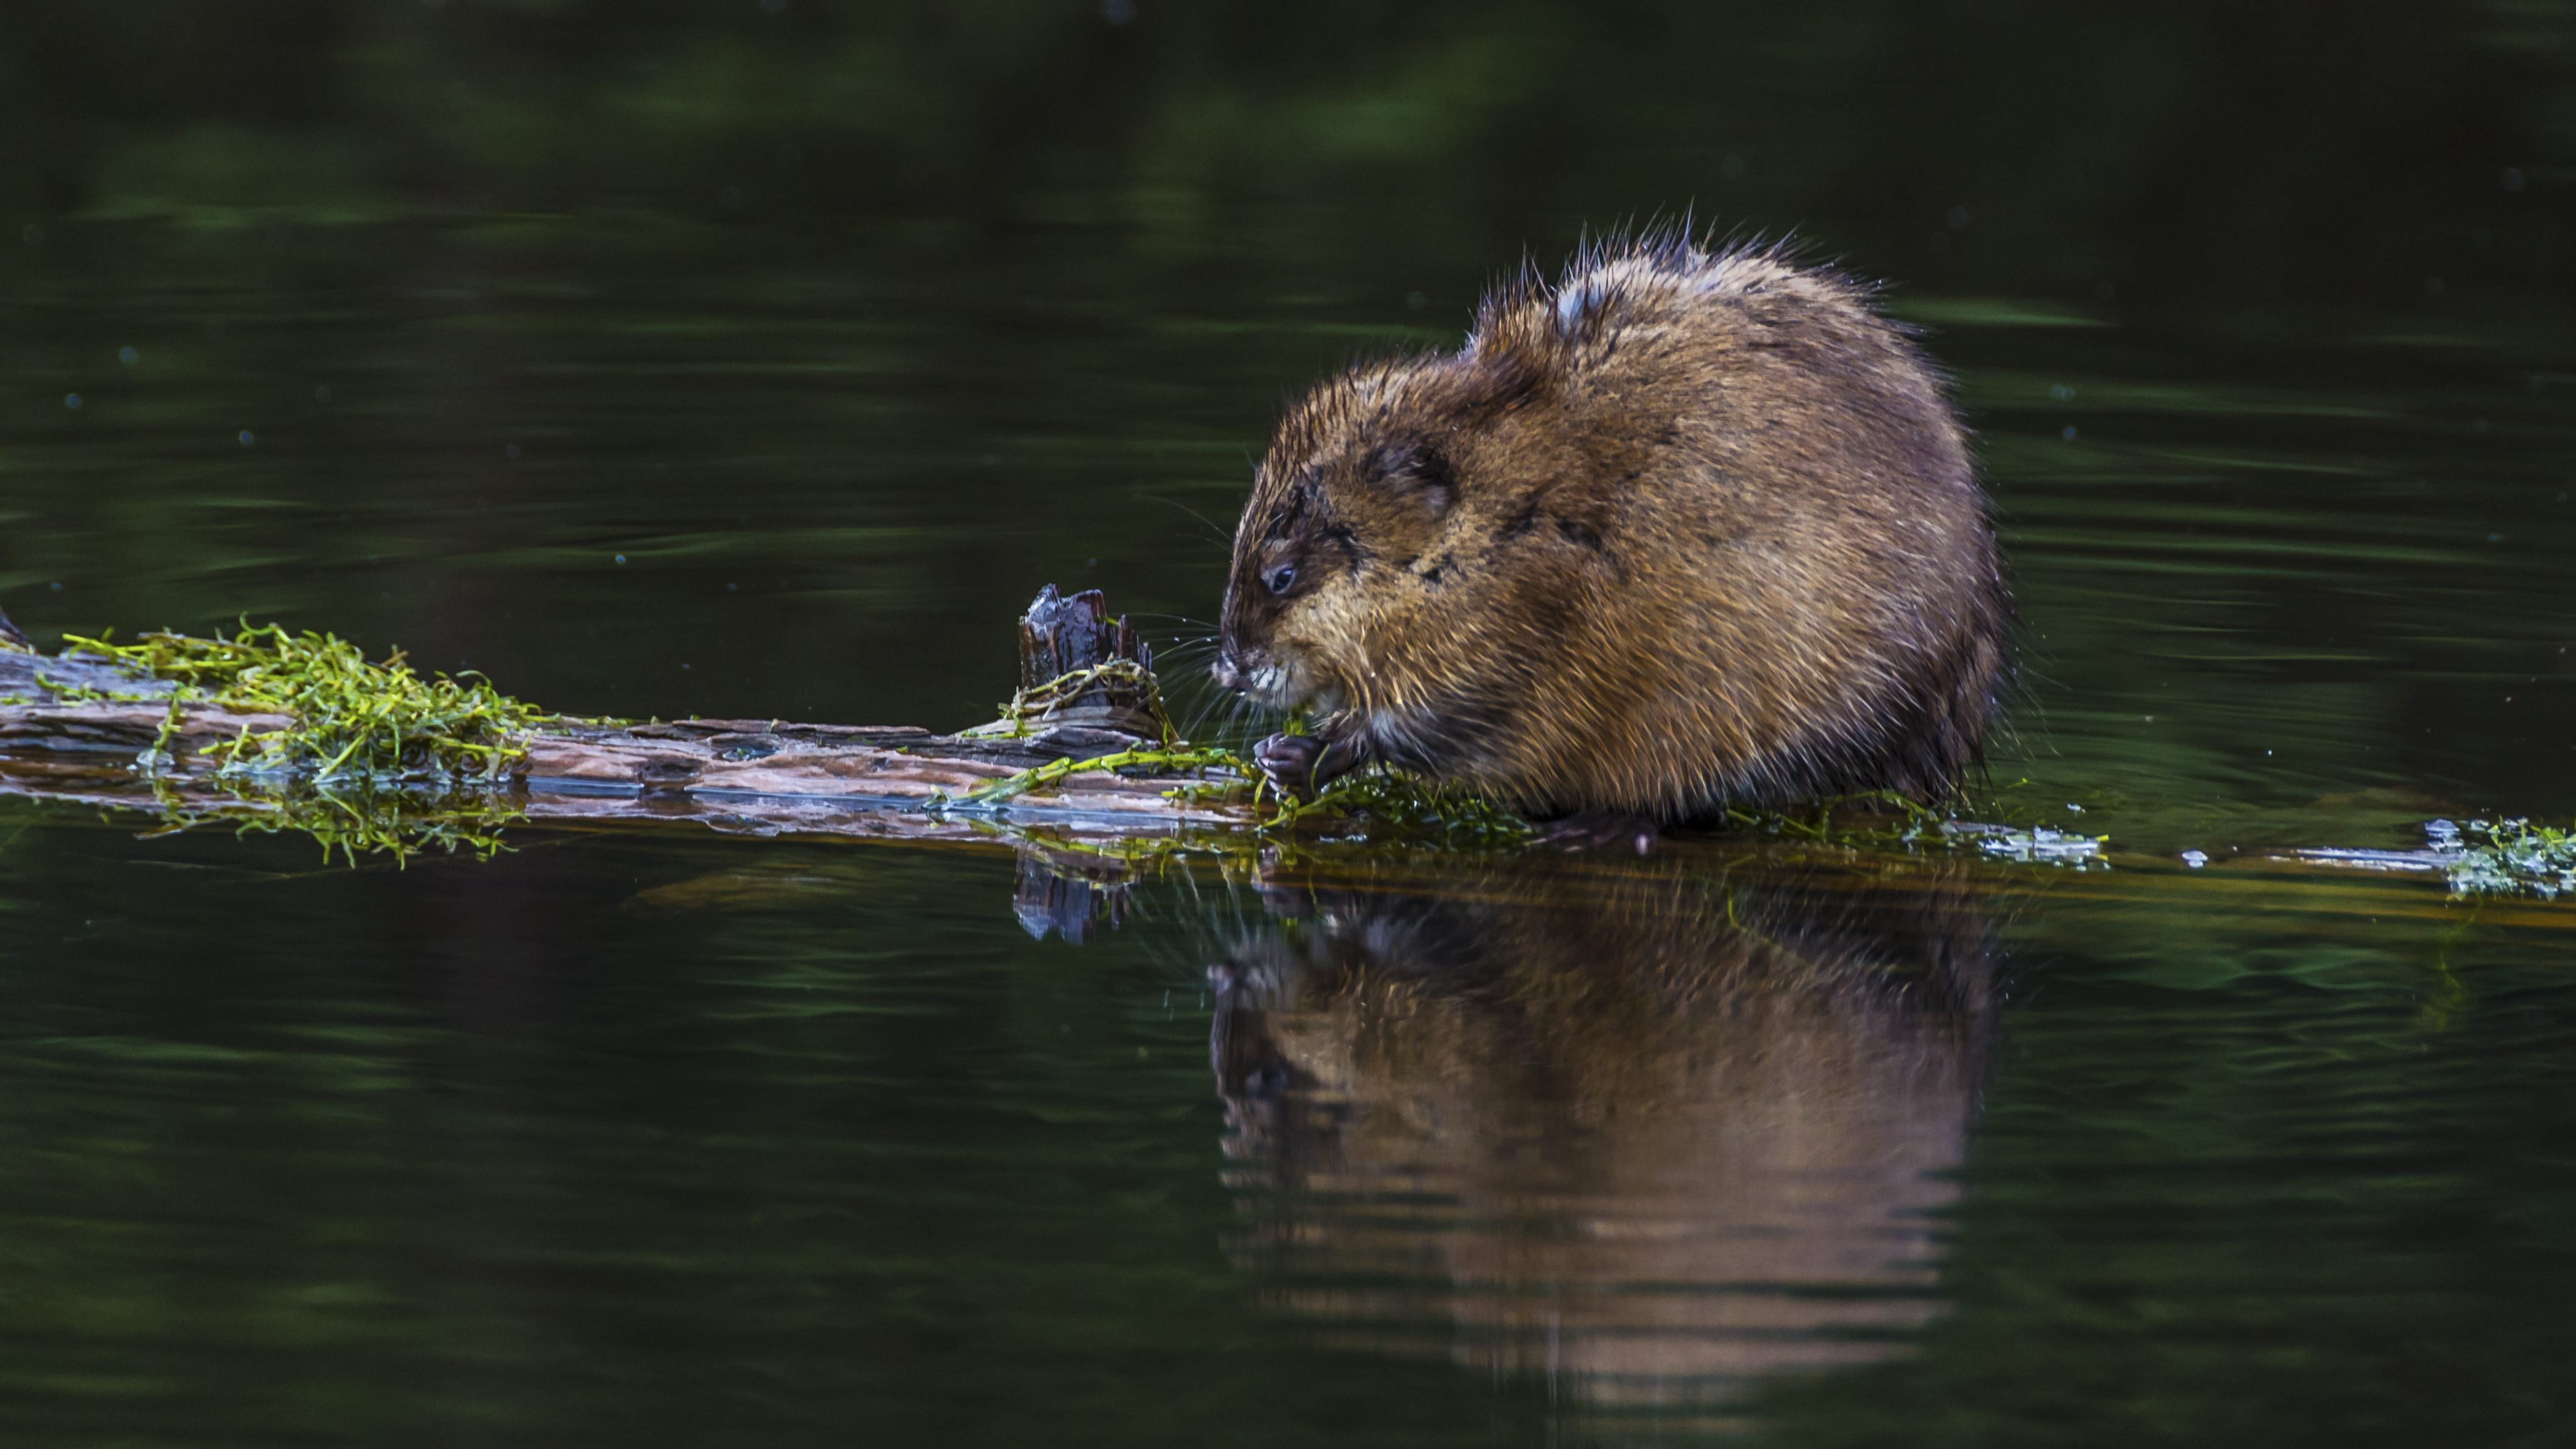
column 1682, row 531
column 1647, row 1136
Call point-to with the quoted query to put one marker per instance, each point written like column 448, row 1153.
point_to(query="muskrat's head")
column 1357, row 564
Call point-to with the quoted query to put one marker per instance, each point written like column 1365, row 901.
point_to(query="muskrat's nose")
column 1229, row 673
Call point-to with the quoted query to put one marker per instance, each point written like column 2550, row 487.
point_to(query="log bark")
column 761, row 776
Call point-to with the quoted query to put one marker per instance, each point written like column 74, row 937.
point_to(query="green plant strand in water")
column 348, row 718
column 1179, row 757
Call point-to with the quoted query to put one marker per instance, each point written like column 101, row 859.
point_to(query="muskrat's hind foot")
column 1302, row 765
column 1601, row 829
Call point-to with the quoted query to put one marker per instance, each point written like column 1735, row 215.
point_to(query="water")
column 844, row 331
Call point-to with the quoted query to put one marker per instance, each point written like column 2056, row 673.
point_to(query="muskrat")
column 1687, row 529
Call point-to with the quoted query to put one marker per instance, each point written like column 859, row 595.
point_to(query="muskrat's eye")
column 1281, row 579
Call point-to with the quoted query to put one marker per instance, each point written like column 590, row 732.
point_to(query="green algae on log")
column 347, row 718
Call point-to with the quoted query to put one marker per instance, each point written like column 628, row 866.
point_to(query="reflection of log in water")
column 1647, row 1139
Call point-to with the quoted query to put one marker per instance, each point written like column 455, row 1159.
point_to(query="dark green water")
column 717, row 358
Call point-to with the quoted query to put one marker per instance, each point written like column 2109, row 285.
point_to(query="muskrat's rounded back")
column 1684, row 529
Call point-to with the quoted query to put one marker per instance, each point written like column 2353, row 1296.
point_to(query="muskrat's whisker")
column 1212, row 525
column 1222, row 715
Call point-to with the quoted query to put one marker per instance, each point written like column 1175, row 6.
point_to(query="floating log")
column 59, row 739
column 83, row 729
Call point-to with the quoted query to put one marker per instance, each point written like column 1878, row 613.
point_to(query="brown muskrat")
column 1687, row 529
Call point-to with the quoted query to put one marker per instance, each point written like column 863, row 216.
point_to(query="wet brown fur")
column 1683, row 530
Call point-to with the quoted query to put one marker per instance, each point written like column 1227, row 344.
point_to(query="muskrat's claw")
column 1289, row 761
column 1599, row 829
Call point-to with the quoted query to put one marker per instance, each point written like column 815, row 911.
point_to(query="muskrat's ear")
column 1418, row 472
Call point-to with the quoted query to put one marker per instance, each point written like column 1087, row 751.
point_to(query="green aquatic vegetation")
column 354, row 819
column 1390, row 804
column 348, row 718
column 1884, row 818
column 2505, row 857
column 1178, row 757
column 1394, row 804
column 374, row 759
column 1032, row 708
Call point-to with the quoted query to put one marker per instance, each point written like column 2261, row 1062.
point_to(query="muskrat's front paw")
column 1289, row 762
